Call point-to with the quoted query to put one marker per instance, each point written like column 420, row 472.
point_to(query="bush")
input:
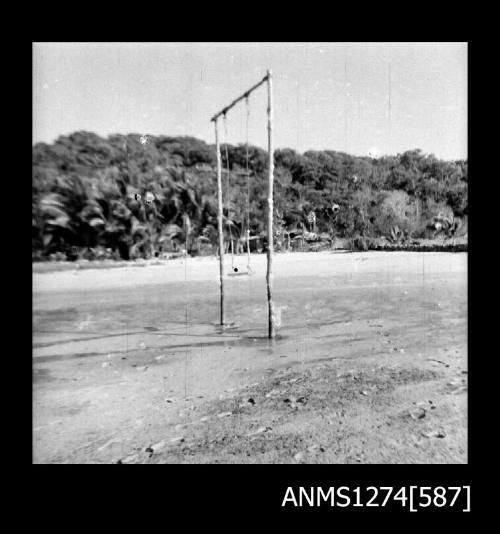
column 359, row 243
column 84, row 186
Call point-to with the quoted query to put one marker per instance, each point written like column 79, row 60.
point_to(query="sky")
column 360, row 98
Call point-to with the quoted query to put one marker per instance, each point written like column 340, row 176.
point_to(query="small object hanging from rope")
column 235, row 271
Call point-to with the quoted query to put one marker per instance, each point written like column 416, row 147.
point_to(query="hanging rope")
column 227, row 191
column 229, row 220
column 227, row 159
column 247, row 102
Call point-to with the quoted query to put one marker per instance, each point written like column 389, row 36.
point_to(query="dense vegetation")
column 85, row 199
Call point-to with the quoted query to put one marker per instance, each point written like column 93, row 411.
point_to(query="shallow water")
column 185, row 315
column 105, row 358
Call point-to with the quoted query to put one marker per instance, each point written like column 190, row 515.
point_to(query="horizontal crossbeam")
column 234, row 102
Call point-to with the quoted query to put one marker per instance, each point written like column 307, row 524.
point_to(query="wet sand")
column 130, row 357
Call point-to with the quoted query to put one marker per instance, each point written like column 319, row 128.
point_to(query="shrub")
column 84, row 186
column 359, row 243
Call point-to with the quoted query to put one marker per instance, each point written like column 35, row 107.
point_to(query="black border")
column 249, row 489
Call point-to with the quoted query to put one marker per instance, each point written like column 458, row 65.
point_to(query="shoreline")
column 331, row 264
column 41, row 267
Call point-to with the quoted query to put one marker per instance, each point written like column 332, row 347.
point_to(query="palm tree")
column 50, row 221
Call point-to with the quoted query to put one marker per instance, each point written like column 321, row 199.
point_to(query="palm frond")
column 97, row 221
column 61, row 222
column 172, row 230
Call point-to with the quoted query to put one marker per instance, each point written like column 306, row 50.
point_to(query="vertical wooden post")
column 248, row 248
column 269, row 276
column 221, row 235
column 270, row 241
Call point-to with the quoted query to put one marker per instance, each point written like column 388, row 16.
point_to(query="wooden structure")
column 269, row 276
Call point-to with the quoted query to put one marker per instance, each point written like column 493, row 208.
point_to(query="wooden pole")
column 248, row 248
column 221, row 235
column 270, row 246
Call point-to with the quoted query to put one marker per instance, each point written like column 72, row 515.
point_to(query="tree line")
column 90, row 195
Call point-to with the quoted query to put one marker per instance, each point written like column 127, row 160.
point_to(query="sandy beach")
column 369, row 366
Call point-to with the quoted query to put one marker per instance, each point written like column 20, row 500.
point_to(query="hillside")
column 89, row 193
